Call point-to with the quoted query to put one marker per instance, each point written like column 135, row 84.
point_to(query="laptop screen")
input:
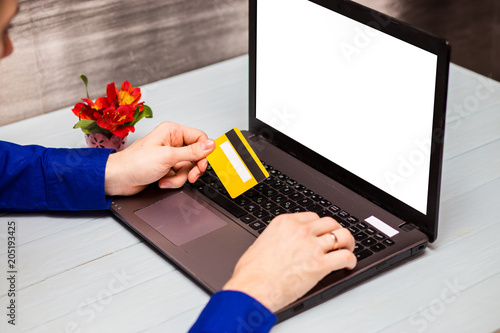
column 357, row 96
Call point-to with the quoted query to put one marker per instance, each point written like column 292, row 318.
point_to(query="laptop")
column 347, row 113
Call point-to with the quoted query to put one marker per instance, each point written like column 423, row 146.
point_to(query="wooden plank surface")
column 111, row 40
column 88, row 273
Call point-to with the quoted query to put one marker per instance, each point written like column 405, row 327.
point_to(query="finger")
column 328, row 242
column 345, row 240
column 202, row 165
column 192, row 153
column 194, row 174
column 177, row 179
column 340, row 259
column 176, row 135
column 299, row 217
column 324, row 225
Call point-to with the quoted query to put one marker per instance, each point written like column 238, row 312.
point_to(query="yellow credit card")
column 236, row 164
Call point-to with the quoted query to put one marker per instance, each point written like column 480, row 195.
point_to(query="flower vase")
column 98, row 140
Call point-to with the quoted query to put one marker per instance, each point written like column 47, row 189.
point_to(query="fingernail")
column 208, row 145
column 166, row 185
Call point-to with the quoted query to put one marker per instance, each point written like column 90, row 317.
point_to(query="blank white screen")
column 359, row 97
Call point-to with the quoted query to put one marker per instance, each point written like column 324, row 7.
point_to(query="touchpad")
column 180, row 218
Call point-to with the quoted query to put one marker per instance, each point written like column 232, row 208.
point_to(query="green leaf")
column 138, row 115
column 148, row 113
column 86, row 81
column 90, row 126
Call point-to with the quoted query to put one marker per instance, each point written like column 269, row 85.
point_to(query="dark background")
column 144, row 41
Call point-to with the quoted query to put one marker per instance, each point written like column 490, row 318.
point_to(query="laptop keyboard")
column 279, row 194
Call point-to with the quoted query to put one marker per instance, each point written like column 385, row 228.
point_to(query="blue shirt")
column 34, row 178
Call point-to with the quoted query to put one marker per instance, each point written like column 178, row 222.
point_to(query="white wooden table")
column 86, row 272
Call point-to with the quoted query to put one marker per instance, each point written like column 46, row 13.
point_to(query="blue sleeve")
column 34, row 178
column 233, row 311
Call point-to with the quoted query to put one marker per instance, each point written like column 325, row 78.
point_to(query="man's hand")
column 170, row 154
column 293, row 254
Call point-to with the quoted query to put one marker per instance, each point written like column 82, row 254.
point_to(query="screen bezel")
column 428, row 222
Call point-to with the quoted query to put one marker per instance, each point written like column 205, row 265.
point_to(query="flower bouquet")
column 107, row 121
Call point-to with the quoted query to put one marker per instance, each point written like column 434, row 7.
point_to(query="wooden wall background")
column 111, row 40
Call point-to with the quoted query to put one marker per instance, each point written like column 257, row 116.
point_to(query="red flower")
column 117, row 113
column 85, row 111
column 114, row 119
column 129, row 95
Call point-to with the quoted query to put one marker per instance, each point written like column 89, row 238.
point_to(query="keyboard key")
column 251, row 193
column 363, row 254
column 388, row 242
column 325, row 203
column 377, row 247
column 260, row 214
column 278, row 211
column 343, row 214
column 259, row 199
column 316, row 197
column 282, row 177
column 291, row 182
column 334, row 208
column 209, row 179
column 343, row 223
column 300, row 187
column 257, row 225
column 228, row 205
column 286, row 190
column 269, row 193
column 288, row 204
column 325, row 213
column 370, row 231
column 362, row 225
column 357, row 248
column 297, row 209
column 379, row 237
column 252, row 208
column 242, row 201
column 308, row 193
column 279, row 198
column 269, row 180
column 304, row 202
column 369, row 242
column 360, row 236
column 277, row 184
column 352, row 219
column 314, row 208
column 353, row 230
column 296, row 196
column 267, row 219
column 216, row 185
column 261, row 187
column 248, row 218
column 275, row 172
column 269, row 205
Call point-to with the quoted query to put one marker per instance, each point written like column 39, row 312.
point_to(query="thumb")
column 191, row 153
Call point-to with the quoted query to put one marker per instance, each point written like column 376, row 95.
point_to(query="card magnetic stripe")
column 240, row 148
